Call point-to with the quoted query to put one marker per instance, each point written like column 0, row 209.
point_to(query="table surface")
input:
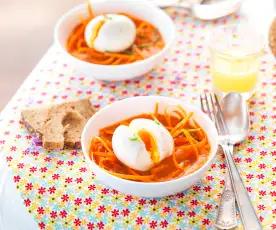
column 59, row 200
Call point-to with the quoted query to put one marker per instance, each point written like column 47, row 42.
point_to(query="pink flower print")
column 142, row 202
column 153, row 224
column 63, row 214
column 180, row 213
column 125, row 212
column 90, row 226
column 164, row 224
column 115, row 212
column 78, row 201
column 53, row 214
column 100, row 225
column 40, row 210
column 139, row 220
column 77, row 222
column 29, row 186
column 27, row 202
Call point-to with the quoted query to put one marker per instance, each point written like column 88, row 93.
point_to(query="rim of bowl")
column 206, row 118
column 77, row 8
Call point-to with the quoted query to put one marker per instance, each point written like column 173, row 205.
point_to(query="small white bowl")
column 137, row 8
column 129, row 107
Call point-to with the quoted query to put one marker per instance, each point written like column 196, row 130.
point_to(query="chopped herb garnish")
column 141, row 35
column 157, row 122
column 130, row 52
column 144, row 46
column 134, row 138
column 107, row 17
column 107, row 51
column 156, row 39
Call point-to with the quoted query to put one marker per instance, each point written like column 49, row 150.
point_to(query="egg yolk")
column 150, row 144
column 96, row 31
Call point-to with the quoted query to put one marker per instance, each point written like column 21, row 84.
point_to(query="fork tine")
column 201, row 104
column 215, row 117
column 208, row 107
column 220, row 115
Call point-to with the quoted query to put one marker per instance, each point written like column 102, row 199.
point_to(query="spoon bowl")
column 235, row 112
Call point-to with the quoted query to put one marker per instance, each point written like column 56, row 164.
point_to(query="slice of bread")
column 35, row 120
column 59, row 126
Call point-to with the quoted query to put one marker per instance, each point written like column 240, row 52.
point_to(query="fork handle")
column 226, row 217
column 248, row 215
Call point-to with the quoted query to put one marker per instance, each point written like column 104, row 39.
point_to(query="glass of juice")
column 235, row 59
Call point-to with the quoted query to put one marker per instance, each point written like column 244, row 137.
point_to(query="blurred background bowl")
column 141, row 9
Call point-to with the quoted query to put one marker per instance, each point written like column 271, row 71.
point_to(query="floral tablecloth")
column 61, row 192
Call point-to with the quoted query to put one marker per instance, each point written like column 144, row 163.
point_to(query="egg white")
column 131, row 153
column 110, row 33
column 131, row 150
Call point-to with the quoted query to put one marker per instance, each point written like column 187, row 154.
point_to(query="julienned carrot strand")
column 133, row 172
column 198, row 145
column 124, row 56
column 178, row 114
column 185, row 146
column 156, row 110
column 74, row 38
column 103, row 160
column 183, row 122
column 90, row 11
column 80, row 50
column 117, row 61
column 138, row 52
column 167, row 117
column 105, row 145
column 131, row 177
column 101, row 154
column 80, row 43
column 175, row 162
column 187, row 134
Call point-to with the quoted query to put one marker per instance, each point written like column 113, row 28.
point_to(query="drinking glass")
column 236, row 51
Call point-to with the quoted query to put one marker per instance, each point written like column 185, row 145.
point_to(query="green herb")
column 134, row 138
column 157, row 122
column 144, row 46
column 156, row 39
column 130, row 52
column 107, row 17
column 107, row 51
column 141, row 35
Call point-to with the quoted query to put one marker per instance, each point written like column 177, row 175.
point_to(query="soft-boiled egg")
column 142, row 144
column 110, row 33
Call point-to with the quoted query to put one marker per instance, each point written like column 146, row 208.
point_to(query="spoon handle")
column 185, row 5
column 248, row 215
column 226, row 218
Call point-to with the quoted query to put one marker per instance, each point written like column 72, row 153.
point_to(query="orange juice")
column 234, row 72
column 235, row 59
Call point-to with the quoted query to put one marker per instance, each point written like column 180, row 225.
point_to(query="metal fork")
column 226, row 218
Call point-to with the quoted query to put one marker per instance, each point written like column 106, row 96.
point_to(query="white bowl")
column 129, row 107
column 137, row 8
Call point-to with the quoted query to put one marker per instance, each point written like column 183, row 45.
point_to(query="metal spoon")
column 176, row 3
column 208, row 11
column 235, row 113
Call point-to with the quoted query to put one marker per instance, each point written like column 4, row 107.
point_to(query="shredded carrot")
column 175, row 162
column 148, row 41
column 156, row 110
column 105, row 145
column 182, row 123
column 90, row 11
column 131, row 177
column 190, row 141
